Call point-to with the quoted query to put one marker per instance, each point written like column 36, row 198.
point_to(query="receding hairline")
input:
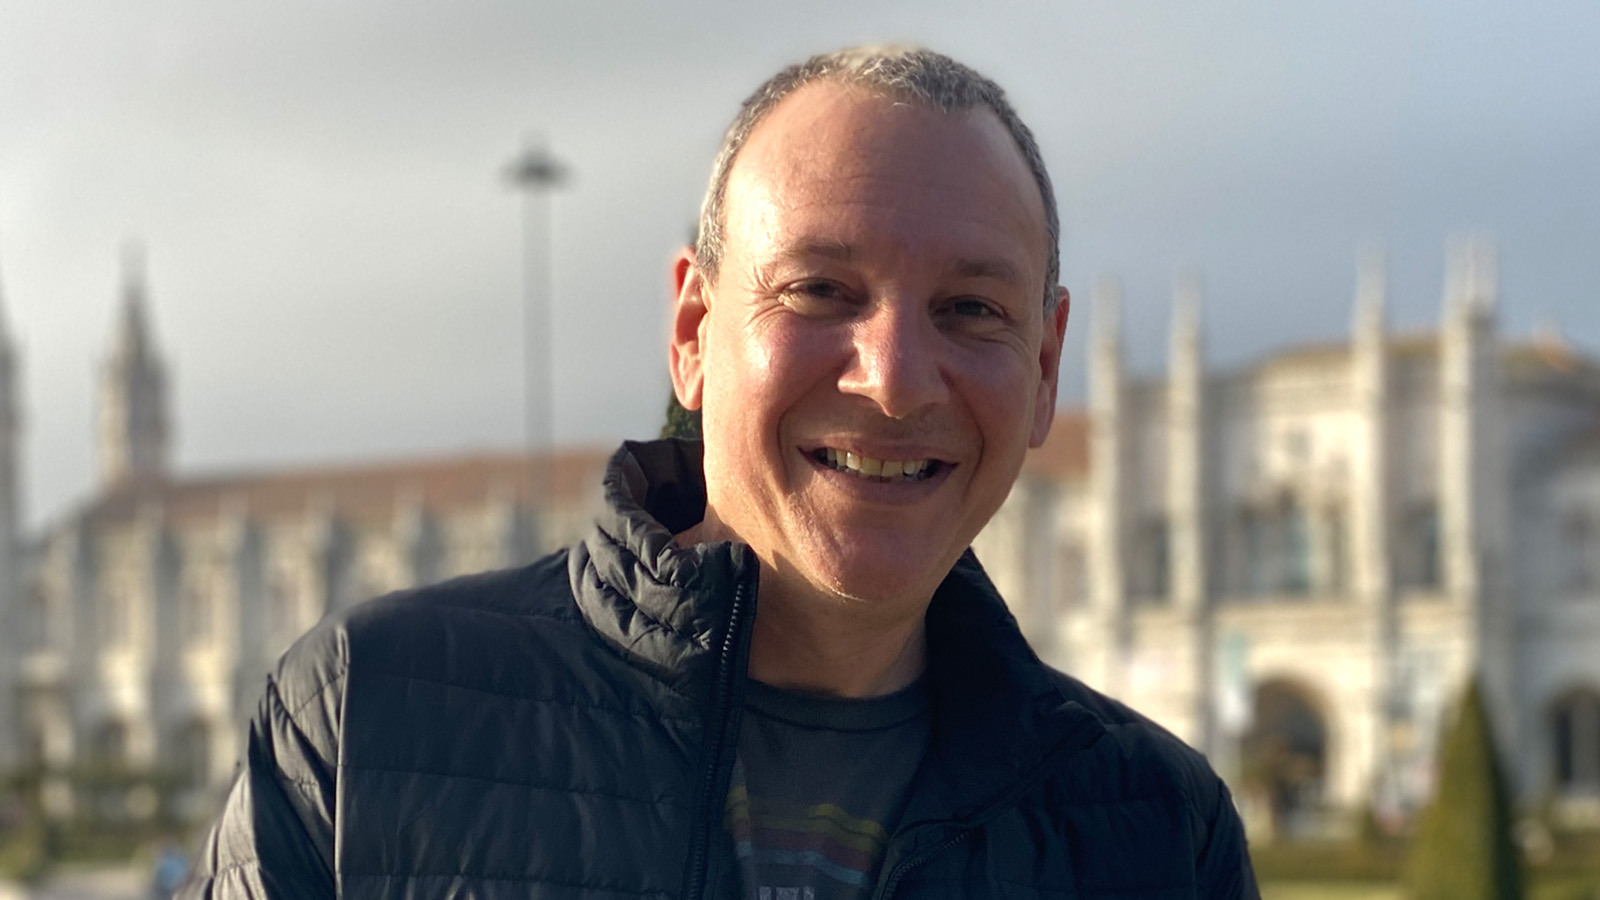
column 994, row 138
column 910, row 75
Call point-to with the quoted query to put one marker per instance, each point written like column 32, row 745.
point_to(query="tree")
column 681, row 423
column 1463, row 848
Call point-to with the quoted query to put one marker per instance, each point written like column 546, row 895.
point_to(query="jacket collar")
column 999, row 711
column 663, row 606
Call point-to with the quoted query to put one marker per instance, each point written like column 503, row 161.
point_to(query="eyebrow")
column 991, row 267
column 836, row 250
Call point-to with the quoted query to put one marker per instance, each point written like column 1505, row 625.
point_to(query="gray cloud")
column 335, row 268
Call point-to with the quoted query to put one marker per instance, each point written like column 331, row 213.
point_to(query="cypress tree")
column 1463, row 848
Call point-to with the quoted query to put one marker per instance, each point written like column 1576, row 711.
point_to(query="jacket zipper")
column 1069, row 743
column 722, row 698
column 907, row 865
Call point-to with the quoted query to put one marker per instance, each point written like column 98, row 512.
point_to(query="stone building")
column 136, row 630
column 1294, row 566
column 1297, row 566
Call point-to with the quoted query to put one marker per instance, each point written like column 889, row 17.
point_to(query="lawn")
column 1339, row 890
column 1550, row 887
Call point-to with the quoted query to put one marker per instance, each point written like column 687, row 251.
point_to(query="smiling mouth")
column 905, row 470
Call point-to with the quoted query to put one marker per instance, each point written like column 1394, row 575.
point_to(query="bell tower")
column 133, row 423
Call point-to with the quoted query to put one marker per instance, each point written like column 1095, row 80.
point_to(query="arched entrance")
column 1284, row 757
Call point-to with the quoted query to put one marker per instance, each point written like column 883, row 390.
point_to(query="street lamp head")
column 536, row 169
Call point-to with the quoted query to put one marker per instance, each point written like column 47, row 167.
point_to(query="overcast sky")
column 335, row 270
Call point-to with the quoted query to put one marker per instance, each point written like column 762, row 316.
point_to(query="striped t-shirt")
column 817, row 789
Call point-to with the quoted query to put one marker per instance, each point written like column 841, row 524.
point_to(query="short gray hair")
column 911, row 74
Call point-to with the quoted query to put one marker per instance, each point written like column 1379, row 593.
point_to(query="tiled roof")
column 1065, row 453
column 363, row 491
column 1540, row 355
column 1324, row 353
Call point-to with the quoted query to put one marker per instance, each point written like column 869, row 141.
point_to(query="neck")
column 816, row 644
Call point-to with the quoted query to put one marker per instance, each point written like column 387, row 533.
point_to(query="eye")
column 971, row 308
column 821, row 290
column 817, row 296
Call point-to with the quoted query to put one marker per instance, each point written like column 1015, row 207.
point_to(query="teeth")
column 867, row 467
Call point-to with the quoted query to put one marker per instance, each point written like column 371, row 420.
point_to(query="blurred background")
column 309, row 302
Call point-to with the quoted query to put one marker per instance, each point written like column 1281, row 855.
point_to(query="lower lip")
column 875, row 490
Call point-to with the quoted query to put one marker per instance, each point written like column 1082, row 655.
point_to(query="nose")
column 896, row 363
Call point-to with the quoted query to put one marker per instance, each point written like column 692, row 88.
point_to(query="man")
column 774, row 670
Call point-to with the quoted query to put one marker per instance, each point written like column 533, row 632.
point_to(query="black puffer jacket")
column 567, row 730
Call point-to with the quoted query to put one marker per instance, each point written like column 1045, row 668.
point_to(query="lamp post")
column 535, row 173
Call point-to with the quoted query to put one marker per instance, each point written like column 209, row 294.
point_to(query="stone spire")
column 1107, row 479
column 1371, row 566
column 1466, row 383
column 1474, row 482
column 1186, row 447
column 1369, row 374
column 1186, row 510
column 133, row 423
column 1472, row 278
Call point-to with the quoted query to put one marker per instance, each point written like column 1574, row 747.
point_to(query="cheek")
column 768, row 369
column 1007, row 377
column 1001, row 392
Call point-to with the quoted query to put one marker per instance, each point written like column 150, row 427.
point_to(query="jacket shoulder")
column 1144, row 745
column 427, row 628
column 1150, row 759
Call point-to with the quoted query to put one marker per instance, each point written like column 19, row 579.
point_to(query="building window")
column 1419, row 537
column 1150, row 576
column 1578, row 541
column 279, row 615
column 198, row 614
column 1334, row 549
column 191, row 754
column 109, row 746
column 1278, row 550
column 1294, row 550
column 35, row 752
column 1575, row 727
column 1253, row 545
column 38, row 628
column 1072, row 577
column 112, row 624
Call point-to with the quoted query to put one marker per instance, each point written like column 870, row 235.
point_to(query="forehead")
column 832, row 147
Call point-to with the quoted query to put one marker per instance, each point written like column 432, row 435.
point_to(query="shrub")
column 1463, row 848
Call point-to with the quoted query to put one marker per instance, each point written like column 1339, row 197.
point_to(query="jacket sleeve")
column 275, row 836
column 1223, row 866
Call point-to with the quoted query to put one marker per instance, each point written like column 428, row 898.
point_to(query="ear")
column 686, row 354
column 1044, row 403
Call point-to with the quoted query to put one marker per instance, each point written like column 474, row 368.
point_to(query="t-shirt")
column 818, row 785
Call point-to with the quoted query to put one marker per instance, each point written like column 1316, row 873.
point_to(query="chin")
column 884, row 585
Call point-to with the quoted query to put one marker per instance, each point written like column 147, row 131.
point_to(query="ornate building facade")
column 136, row 630
column 1298, row 566
column 1295, row 566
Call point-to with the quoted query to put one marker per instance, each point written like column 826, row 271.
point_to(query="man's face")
column 874, row 357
